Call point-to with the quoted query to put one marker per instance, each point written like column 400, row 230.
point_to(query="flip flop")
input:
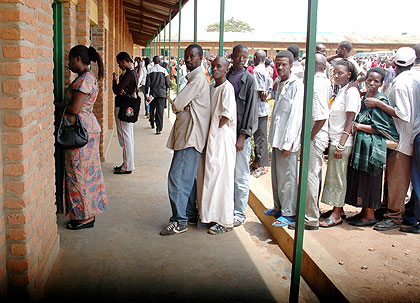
column 327, row 214
column 330, row 223
column 282, row 221
column 272, row 212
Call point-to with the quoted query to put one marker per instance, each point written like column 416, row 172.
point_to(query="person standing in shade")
column 216, row 202
column 157, row 85
column 285, row 129
column 187, row 139
column 84, row 192
column 247, row 122
column 127, row 84
column 262, row 78
column 319, row 141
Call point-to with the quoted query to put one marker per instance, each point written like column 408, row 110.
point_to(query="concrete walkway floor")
column 124, row 259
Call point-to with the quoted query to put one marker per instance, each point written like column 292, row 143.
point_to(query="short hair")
column 294, row 49
column 156, row 59
column 239, row 47
column 197, row 47
column 124, row 56
column 346, row 45
column 350, row 67
column 285, row 54
column 377, row 70
column 267, row 61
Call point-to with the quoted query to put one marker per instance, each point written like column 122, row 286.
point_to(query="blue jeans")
column 412, row 208
column 181, row 184
column 241, row 192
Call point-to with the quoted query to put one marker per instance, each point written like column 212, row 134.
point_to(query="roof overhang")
column 144, row 17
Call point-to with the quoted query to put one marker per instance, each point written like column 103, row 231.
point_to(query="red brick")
column 18, row 249
column 18, row 265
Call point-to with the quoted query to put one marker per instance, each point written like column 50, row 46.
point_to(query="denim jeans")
column 241, row 190
column 412, row 208
column 181, row 184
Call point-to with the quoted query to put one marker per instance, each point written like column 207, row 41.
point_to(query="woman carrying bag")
column 85, row 194
column 127, row 85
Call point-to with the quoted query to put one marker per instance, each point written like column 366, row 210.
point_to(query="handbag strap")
column 62, row 118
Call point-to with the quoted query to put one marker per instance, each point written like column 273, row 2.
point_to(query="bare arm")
column 317, row 127
column 77, row 100
column 373, row 102
column 347, row 129
column 364, row 128
column 223, row 120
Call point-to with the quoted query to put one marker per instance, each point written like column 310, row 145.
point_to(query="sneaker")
column 218, row 229
column 174, row 228
column 237, row 223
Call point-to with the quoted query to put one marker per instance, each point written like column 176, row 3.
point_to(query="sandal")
column 259, row 172
column 76, row 225
column 327, row 214
column 272, row 212
column 330, row 223
column 282, row 221
column 118, row 167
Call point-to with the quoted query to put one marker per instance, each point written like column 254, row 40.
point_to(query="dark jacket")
column 158, row 81
column 246, row 105
column 128, row 83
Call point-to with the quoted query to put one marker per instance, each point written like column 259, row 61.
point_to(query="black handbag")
column 129, row 106
column 71, row 136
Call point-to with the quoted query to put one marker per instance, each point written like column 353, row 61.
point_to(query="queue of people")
column 368, row 122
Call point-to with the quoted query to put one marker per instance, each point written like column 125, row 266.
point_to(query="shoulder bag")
column 129, row 107
column 71, row 136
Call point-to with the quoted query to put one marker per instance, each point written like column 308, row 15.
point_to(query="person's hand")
column 338, row 153
column 286, row 153
column 371, row 102
column 122, row 92
column 115, row 76
column 149, row 98
column 264, row 95
column 187, row 107
column 240, row 142
column 355, row 128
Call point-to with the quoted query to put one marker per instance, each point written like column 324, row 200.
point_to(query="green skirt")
column 335, row 186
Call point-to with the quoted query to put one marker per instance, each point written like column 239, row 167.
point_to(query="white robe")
column 216, row 201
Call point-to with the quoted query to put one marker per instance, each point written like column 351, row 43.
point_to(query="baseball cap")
column 405, row 56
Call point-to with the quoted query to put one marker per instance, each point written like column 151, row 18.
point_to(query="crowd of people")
column 365, row 125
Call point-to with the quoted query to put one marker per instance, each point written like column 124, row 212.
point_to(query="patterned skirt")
column 84, row 187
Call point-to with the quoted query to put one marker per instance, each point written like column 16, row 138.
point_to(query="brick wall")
column 28, row 230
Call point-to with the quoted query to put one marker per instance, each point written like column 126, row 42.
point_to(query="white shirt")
column 320, row 110
column 404, row 98
column 286, row 119
column 262, row 78
column 343, row 103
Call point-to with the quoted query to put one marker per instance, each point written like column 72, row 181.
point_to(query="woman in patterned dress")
column 84, row 191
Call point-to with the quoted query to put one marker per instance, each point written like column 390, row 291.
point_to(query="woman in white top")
column 343, row 111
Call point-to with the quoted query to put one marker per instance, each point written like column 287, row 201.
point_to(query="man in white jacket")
column 284, row 137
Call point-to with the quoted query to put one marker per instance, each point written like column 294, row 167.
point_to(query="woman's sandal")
column 282, row 221
column 330, row 223
column 327, row 214
column 76, row 225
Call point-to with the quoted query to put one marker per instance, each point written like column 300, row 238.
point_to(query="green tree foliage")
column 231, row 25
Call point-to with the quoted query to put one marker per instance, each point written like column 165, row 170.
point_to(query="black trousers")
column 157, row 107
column 260, row 143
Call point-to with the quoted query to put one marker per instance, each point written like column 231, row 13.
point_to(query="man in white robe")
column 216, row 203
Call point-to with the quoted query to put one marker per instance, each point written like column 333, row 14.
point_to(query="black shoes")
column 415, row 229
column 386, row 224
column 122, row 172
column 75, row 225
column 359, row 222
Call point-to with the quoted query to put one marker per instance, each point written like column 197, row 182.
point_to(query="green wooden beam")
column 179, row 47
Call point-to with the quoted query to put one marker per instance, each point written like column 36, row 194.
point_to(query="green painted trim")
column 169, row 59
column 305, row 147
column 222, row 26
column 58, row 80
column 179, row 47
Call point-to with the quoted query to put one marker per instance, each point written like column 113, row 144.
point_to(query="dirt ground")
column 382, row 266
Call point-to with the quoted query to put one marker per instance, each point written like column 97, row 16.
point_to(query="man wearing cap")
column 404, row 94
